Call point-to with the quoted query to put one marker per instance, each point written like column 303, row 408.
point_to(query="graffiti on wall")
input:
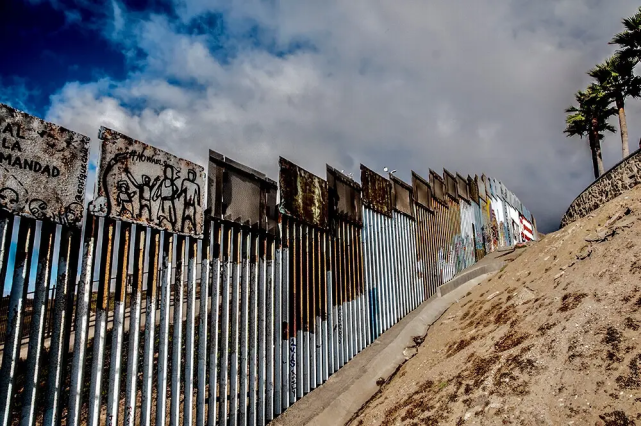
column 142, row 184
column 43, row 168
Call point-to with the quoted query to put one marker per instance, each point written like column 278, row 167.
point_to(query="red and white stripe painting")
column 526, row 226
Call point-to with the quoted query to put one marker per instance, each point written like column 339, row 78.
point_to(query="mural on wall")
column 43, row 168
column 142, row 184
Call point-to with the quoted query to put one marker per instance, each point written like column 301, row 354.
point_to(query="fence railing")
column 158, row 314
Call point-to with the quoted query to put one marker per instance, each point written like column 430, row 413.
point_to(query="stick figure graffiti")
column 191, row 193
column 145, row 187
column 167, row 192
column 125, row 199
column 148, row 186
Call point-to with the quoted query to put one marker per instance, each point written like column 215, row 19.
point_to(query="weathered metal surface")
column 438, row 187
column 474, row 189
column 450, row 184
column 43, row 168
column 462, row 189
column 422, row 190
column 377, row 191
column 303, row 195
column 240, row 194
column 344, row 197
column 480, row 188
column 402, row 196
column 142, row 184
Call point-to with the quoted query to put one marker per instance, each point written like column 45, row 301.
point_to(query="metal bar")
column 97, row 362
column 36, row 335
column 257, row 265
column 190, row 333
column 263, row 348
column 301, row 320
column 318, row 343
column 342, row 315
column 249, row 271
column 163, row 333
column 68, row 251
column 294, row 321
column 205, row 263
column 306, row 285
column 228, row 240
column 271, row 340
column 82, row 320
column 367, row 278
column 150, row 328
column 113, row 394
column 176, row 342
column 237, row 278
column 285, row 323
column 323, row 307
column 134, row 327
column 6, row 228
column 335, row 301
column 212, row 248
column 348, row 293
column 19, row 286
column 311, row 306
column 329, row 330
column 279, row 316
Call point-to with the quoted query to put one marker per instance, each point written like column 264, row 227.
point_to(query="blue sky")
column 475, row 86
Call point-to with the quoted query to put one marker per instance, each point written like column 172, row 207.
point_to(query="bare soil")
column 553, row 339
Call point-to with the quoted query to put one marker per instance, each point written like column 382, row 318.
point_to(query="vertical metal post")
column 237, row 278
column 97, row 362
column 115, row 365
column 134, row 327
column 305, row 302
column 214, row 249
column 280, row 314
column 176, row 342
column 271, row 339
column 190, row 333
column 227, row 259
column 326, row 305
column 256, row 269
column 263, row 349
column 285, row 317
column 205, row 262
column 150, row 328
column 36, row 335
column 249, row 271
column 163, row 333
column 82, row 320
column 311, row 308
column 318, row 342
column 65, row 283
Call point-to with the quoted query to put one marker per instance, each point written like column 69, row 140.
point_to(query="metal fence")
column 127, row 323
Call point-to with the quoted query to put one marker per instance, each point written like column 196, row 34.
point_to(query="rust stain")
column 303, row 195
column 450, row 184
column 422, row 190
column 438, row 186
column 462, row 188
column 402, row 196
column 377, row 191
column 344, row 197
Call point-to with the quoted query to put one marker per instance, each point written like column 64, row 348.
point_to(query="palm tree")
column 629, row 40
column 590, row 118
column 616, row 78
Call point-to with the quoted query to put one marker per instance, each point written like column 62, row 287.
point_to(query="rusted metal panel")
column 438, row 187
column 481, row 187
column 377, row 191
column 462, row 188
column 402, row 197
column 474, row 189
column 303, row 195
column 43, row 168
column 240, row 194
column 450, row 184
column 142, row 184
column 344, row 197
column 422, row 191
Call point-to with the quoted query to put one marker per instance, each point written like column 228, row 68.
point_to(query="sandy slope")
column 553, row 339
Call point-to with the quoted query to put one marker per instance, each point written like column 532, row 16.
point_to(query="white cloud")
column 474, row 86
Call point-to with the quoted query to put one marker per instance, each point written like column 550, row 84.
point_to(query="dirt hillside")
column 552, row 339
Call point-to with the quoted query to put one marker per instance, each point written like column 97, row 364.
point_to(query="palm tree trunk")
column 595, row 146
column 623, row 126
